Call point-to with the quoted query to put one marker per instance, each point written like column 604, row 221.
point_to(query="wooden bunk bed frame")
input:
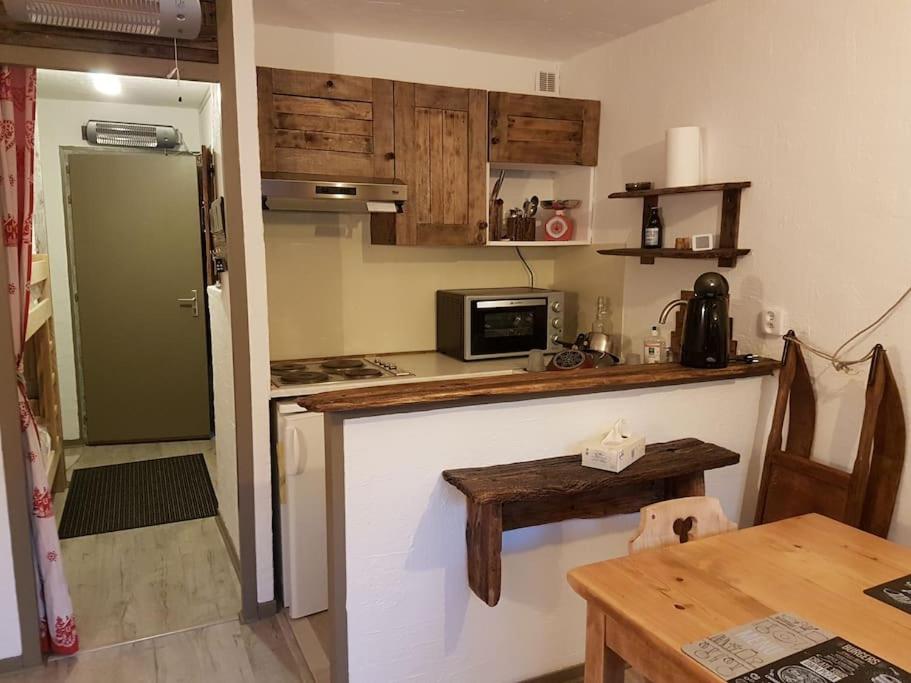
column 41, row 353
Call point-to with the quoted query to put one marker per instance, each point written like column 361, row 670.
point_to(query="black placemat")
column 138, row 494
column 833, row 660
column 896, row 593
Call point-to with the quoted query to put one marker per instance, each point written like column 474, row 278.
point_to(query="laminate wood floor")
column 137, row 583
column 312, row 636
column 225, row 653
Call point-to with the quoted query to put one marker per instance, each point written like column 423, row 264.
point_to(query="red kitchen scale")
column 560, row 227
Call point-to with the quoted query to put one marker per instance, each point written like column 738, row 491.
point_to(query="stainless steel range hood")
column 302, row 192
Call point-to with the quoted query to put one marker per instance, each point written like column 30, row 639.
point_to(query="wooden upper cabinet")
column 325, row 124
column 441, row 153
column 543, row 130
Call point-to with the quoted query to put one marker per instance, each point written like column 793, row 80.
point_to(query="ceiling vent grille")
column 120, row 134
column 166, row 18
column 547, row 82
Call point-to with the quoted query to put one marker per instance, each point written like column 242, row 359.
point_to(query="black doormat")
column 138, row 494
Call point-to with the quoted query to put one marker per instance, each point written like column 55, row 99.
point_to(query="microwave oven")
column 474, row 324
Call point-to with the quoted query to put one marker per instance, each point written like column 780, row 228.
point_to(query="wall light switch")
column 772, row 322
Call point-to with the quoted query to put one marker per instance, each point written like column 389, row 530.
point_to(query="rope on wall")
column 839, row 363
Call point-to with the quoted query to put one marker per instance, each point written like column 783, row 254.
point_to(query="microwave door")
column 508, row 327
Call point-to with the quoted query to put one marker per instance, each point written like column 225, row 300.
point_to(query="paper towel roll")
column 684, row 156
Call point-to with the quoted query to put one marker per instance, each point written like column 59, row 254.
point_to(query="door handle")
column 194, row 303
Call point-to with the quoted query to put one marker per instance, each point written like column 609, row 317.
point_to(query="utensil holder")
column 518, row 229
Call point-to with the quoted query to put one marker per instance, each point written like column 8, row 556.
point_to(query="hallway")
column 145, row 582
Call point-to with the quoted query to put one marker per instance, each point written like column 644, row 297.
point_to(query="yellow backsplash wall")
column 332, row 292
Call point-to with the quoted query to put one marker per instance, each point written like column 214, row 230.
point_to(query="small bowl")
column 643, row 185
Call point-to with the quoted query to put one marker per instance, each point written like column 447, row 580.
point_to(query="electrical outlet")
column 772, row 322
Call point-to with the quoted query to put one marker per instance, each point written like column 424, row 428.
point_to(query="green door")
column 139, row 309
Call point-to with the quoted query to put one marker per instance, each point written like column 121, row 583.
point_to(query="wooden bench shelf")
column 523, row 494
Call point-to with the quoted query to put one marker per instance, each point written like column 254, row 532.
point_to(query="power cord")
column 531, row 273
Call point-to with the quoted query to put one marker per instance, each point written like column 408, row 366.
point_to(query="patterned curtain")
column 17, row 158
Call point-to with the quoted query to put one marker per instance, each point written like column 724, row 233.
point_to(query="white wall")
column 244, row 102
column 59, row 123
column 411, row 614
column 802, row 99
column 289, row 48
column 210, row 133
column 10, row 638
column 330, row 290
column 210, row 129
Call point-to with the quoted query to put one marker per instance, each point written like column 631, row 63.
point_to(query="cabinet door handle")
column 495, row 141
column 330, row 84
column 390, row 156
column 191, row 303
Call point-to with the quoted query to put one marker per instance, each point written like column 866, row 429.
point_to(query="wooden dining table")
column 642, row 609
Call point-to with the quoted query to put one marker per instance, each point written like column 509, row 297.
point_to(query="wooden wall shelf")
column 684, row 189
column 523, row 494
column 727, row 252
column 648, row 256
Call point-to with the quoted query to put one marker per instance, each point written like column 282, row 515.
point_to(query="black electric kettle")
column 706, row 327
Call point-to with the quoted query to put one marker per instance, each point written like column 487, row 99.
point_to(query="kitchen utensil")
column 598, row 342
column 495, row 220
column 571, row 359
column 536, row 361
column 528, row 224
column 495, row 192
column 501, row 224
column 561, row 204
column 512, row 226
column 534, row 206
column 706, row 327
column 526, row 205
column 605, row 360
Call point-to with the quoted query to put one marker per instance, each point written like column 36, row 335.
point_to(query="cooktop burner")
column 342, row 363
column 287, row 366
column 290, row 372
column 303, row 377
column 358, row 373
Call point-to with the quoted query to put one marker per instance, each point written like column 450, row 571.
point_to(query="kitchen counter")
column 427, row 366
column 503, row 385
column 400, row 579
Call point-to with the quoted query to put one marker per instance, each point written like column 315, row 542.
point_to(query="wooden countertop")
column 404, row 395
column 655, row 602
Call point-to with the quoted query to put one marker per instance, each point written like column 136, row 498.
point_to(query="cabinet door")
column 325, row 124
column 441, row 153
column 543, row 130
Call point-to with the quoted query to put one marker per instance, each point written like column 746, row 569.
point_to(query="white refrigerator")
column 301, row 452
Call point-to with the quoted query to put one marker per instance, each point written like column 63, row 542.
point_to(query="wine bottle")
column 653, row 230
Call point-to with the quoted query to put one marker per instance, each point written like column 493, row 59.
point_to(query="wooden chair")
column 679, row 520
column 793, row 484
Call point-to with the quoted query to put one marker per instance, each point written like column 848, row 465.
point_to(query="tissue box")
column 613, row 455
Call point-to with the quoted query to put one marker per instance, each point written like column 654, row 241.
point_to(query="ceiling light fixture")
column 107, row 84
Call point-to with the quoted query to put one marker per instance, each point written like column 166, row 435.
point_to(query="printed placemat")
column 784, row 648
column 896, row 593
